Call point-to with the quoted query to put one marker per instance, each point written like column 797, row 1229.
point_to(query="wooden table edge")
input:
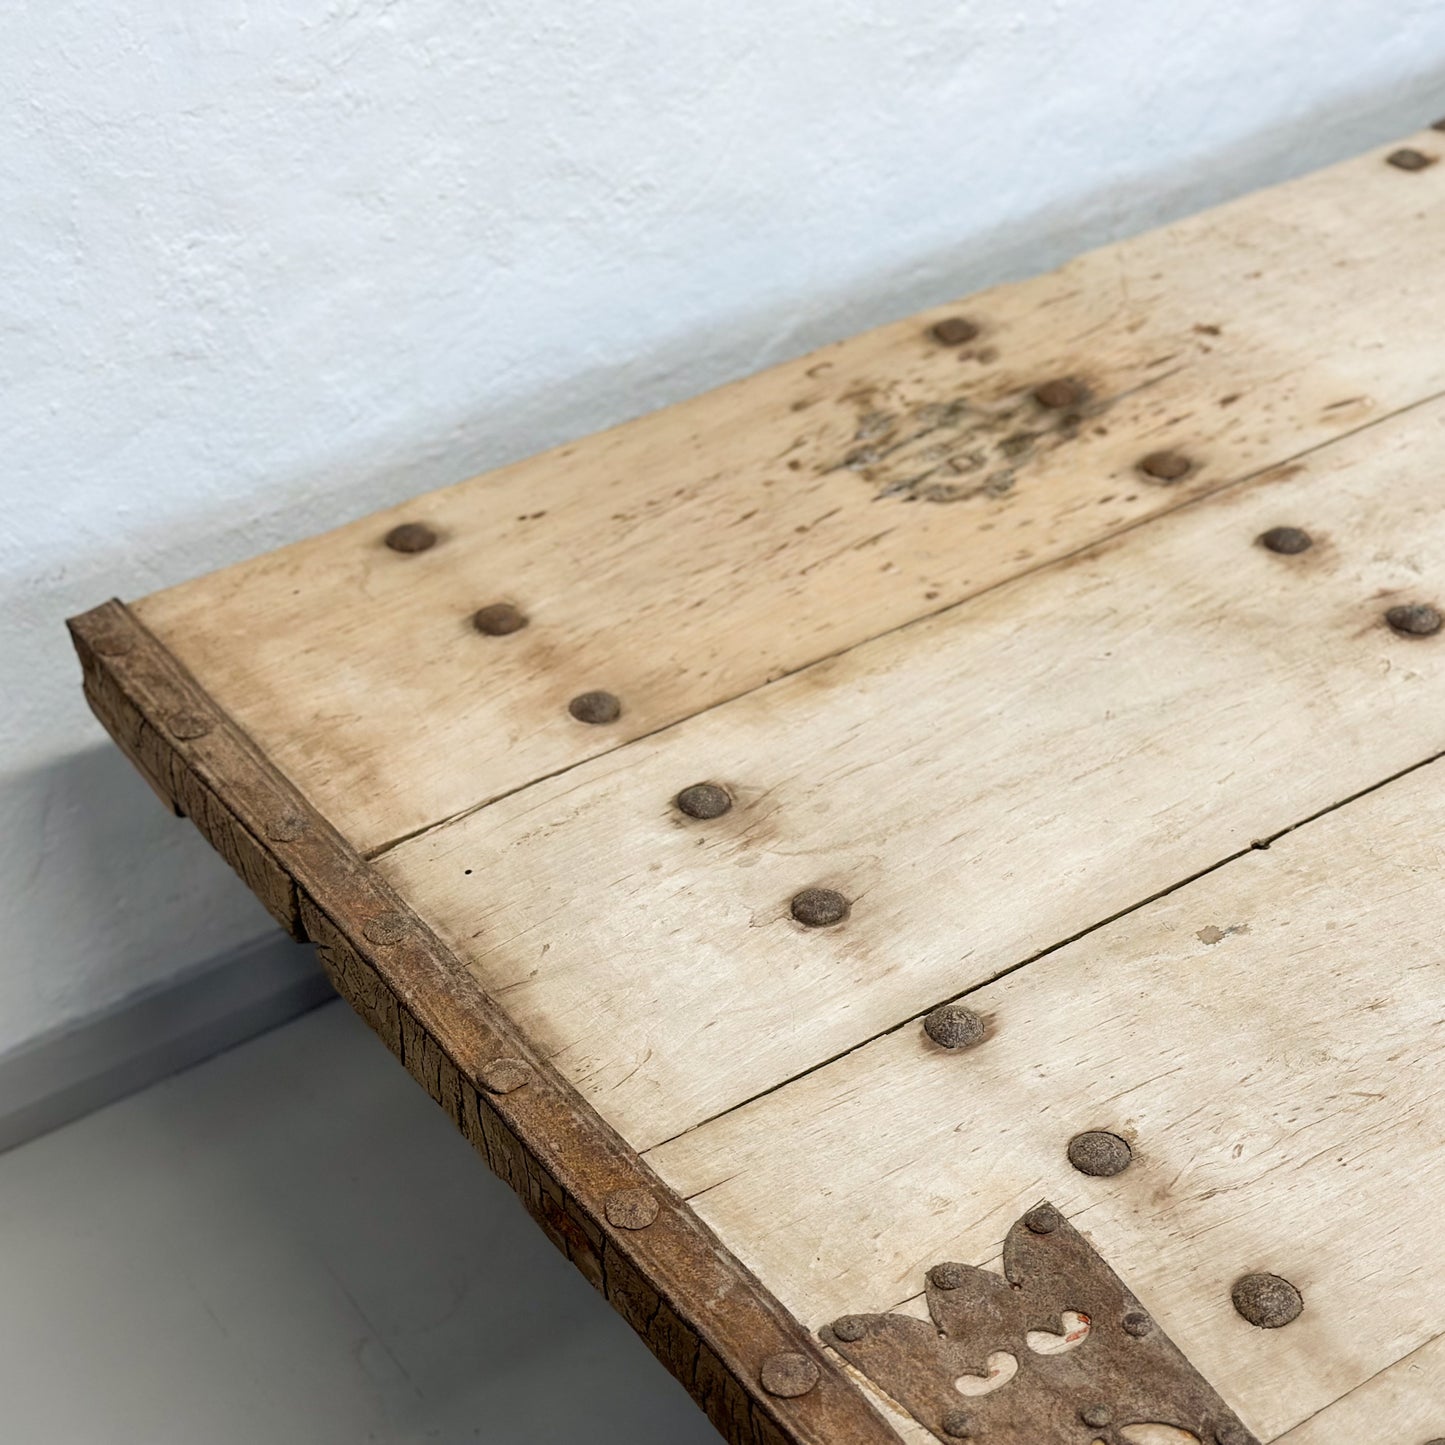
column 705, row 1316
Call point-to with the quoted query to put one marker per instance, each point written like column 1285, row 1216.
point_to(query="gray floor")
column 290, row 1244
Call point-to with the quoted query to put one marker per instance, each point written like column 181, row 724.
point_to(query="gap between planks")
column 1196, row 499
column 1259, row 845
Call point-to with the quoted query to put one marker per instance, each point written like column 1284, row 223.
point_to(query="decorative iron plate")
column 1056, row 1349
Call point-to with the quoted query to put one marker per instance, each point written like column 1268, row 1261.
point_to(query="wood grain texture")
column 690, row 556
column 1404, row 1405
column 1282, row 1087
column 982, row 785
column 702, row 1314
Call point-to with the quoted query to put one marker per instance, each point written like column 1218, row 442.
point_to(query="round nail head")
column 957, row 1424
column 788, row 1375
column 1097, row 1416
column 1407, row 158
column 819, row 907
column 948, row 1276
column 504, row 1076
column 499, row 619
column 954, row 1027
column 1231, row 1434
column 850, row 1329
column 411, row 537
column 631, row 1208
column 286, row 829
column 1042, row 1219
column 1137, row 1324
column 188, row 725
column 1287, row 541
column 1267, row 1301
column 955, row 331
column 1414, row 619
column 1099, row 1154
column 1056, row 395
column 703, row 800
column 1166, row 466
column 595, row 707
column 384, row 929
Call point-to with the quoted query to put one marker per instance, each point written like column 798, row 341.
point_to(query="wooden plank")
column 1270, row 1040
column 981, row 785
column 1404, row 1403
column 709, row 1321
column 690, row 556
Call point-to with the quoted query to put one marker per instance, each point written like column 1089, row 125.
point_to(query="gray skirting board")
column 53, row 1079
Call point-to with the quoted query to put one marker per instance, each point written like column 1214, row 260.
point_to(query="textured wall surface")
column 266, row 265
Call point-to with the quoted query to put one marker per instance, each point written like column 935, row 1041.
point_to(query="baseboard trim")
column 56, row 1078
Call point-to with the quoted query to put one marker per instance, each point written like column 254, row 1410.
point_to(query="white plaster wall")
column 268, row 264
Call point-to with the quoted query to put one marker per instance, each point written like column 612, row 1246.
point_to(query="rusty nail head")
column 850, row 1329
column 502, row 1076
column 957, row 1424
column 1042, row 1219
column 1056, row 395
column 1099, row 1154
column 1166, row 466
column 631, row 1208
column 1097, row 1415
column 595, row 707
column 411, row 537
column 788, row 1375
column 1266, row 1300
column 1414, row 619
column 188, row 725
column 818, row 907
column 1288, row 541
column 286, row 829
column 385, row 929
column 1407, row 158
column 499, row 619
column 948, row 1276
column 955, row 331
column 703, row 800
column 1137, row 1324
column 954, row 1027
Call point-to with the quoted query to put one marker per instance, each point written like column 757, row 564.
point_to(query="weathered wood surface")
column 690, row 556
column 701, row 1313
column 982, row 785
column 1403, row 1405
column 1270, row 1039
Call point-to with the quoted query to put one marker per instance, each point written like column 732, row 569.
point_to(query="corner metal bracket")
column 1055, row 1350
